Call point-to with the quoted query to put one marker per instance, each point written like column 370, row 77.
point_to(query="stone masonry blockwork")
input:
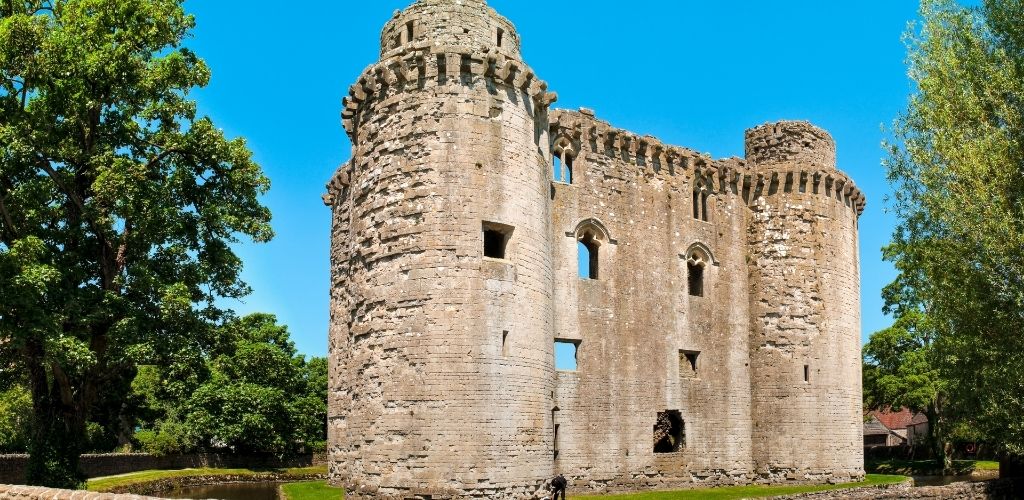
column 716, row 343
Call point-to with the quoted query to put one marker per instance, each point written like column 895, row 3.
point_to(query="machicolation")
column 714, row 314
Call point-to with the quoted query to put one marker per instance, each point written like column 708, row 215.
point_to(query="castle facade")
column 712, row 305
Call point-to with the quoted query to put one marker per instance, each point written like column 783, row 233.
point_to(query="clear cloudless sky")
column 692, row 73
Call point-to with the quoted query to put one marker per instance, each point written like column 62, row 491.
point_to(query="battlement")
column 421, row 65
column 467, row 23
column 801, row 157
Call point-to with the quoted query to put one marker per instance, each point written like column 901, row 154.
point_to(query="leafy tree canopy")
column 118, row 208
column 958, row 173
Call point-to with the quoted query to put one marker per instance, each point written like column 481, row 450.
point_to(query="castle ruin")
column 715, row 315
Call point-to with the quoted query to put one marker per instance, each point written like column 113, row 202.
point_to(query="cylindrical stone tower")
column 442, row 365
column 804, row 306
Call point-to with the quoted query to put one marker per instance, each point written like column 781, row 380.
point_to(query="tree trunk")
column 1011, row 467
column 55, row 441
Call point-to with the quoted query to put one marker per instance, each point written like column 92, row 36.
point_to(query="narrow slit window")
column 688, row 363
column 501, row 37
column 555, row 424
column 442, row 69
column 669, row 432
column 588, row 257
column 504, row 343
column 496, row 237
column 704, row 206
column 807, row 373
column 695, row 279
column 567, row 161
column 696, row 205
column 566, row 353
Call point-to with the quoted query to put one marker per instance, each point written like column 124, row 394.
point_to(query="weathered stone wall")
column 32, row 492
column 441, row 357
column 633, row 321
column 804, row 305
column 442, row 373
column 994, row 490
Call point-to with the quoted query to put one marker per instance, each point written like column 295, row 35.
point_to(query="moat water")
column 233, row 491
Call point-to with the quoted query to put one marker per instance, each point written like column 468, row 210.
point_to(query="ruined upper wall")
column 790, row 142
column 453, row 23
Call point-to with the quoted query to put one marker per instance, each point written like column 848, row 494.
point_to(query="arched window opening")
column 589, row 249
column 501, row 37
column 695, row 278
column 564, row 157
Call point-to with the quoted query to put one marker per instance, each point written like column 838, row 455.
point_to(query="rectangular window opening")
column 688, row 363
column 669, row 432
column 501, row 36
column 566, row 352
column 696, row 205
column 466, row 69
column 807, row 373
column 442, row 69
column 496, row 237
column 409, row 31
column 695, row 279
column 704, row 206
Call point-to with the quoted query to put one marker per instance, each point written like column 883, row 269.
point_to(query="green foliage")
column 15, row 419
column 254, row 393
column 118, row 208
column 959, row 194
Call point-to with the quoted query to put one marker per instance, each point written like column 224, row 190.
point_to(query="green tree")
column 959, row 193
column 15, row 410
column 118, row 206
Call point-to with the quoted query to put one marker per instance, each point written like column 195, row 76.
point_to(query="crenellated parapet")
column 790, row 157
column 422, row 64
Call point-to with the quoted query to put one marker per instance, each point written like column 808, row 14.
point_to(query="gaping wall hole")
column 688, row 363
column 496, row 237
column 588, row 257
column 669, row 432
column 695, row 279
column 565, row 355
column 501, row 36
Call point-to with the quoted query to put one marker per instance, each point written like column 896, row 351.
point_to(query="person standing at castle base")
column 558, row 485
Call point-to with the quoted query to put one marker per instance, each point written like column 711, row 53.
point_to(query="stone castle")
column 713, row 305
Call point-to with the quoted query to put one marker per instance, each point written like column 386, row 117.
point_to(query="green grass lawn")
column 926, row 467
column 107, row 483
column 737, row 492
column 313, row 490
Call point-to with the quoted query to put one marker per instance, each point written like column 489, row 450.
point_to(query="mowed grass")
column 312, row 490
column 926, row 467
column 738, row 492
column 111, row 482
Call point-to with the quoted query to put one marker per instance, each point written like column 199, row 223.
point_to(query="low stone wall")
column 997, row 490
column 33, row 492
column 12, row 467
column 172, row 483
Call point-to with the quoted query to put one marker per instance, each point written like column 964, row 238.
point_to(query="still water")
column 234, row 491
column 941, row 480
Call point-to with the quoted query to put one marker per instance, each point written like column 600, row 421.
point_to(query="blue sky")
column 692, row 73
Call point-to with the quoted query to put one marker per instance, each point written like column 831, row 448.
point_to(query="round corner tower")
column 804, row 306
column 442, row 366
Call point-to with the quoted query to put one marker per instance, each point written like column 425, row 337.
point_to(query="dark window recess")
column 695, row 279
column 704, row 206
column 409, row 31
column 696, row 205
column 588, row 258
column 807, row 373
column 504, row 343
column 669, row 432
column 466, row 69
column 501, row 36
column 442, row 69
column 688, row 363
column 496, row 238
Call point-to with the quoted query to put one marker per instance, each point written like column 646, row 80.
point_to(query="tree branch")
column 8, row 222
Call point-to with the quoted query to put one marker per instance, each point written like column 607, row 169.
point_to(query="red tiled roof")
column 893, row 420
column 919, row 419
